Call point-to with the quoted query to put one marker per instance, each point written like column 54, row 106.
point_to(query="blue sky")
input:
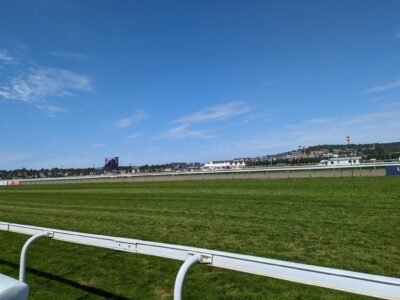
column 167, row 81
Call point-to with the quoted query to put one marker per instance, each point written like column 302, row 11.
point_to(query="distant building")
column 224, row 165
column 194, row 168
column 341, row 161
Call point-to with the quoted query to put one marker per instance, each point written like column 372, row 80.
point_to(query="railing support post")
column 193, row 258
column 22, row 262
column 181, row 275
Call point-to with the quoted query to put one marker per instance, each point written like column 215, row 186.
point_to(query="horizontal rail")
column 353, row 282
column 214, row 172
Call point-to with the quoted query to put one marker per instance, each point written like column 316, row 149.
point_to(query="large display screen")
column 111, row 163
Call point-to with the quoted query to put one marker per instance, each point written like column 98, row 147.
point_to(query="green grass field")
column 349, row 223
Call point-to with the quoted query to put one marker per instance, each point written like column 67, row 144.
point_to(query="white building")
column 224, row 165
column 341, row 161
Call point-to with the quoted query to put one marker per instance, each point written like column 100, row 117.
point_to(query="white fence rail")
column 352, row 282
column 230, row 171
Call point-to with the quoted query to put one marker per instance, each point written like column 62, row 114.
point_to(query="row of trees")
column 58, row 172
column 379, row 151
column 277, row 162
column 43, row 173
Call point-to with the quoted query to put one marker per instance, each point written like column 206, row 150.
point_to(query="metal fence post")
column 22, row 262
column 193, row 259
column 181, row 275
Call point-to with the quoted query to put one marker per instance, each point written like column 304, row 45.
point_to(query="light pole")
column 298, row 155
column 348, row 143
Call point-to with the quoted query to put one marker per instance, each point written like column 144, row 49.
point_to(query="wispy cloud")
column 5, row 58
column 99, row 145
column 382, row 126
column 393, row 105
column 132, row 137
column 383, row 87
column 52, row 108
column 214, row 113
column 128, row 121
column 319, row 121
column 218, row 112
column 40, row 83
column 385, row 97
column 182, row 131
column 69, row 55
column 261, row 116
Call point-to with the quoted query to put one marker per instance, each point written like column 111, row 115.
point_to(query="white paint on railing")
column 353, row 282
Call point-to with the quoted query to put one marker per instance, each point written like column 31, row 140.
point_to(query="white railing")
column 353, row 282
column 266, row 170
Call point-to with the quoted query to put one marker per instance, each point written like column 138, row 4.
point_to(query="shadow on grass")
column 89, row 289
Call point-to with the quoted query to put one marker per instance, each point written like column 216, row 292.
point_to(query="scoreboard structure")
column 111, row 164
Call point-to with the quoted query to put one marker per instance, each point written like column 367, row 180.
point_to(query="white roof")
column 345, row 158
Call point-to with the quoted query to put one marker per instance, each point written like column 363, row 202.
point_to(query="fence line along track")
column 353, row 282
column 336, row 171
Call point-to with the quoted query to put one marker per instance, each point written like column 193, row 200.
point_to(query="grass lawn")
column 349, row 223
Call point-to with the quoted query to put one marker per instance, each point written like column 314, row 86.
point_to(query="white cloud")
column 68, row 55
column 128, row 121
column 213, row 113
column 218, row 112
column 133, row 137
column 319, row 121
column 121, row 123
column 6, row 58
column 182, row 131
column 385, row 96
column 52, row 108
column 261, row 116
column 383, row 87
column 40, row 83
column 99, row 145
